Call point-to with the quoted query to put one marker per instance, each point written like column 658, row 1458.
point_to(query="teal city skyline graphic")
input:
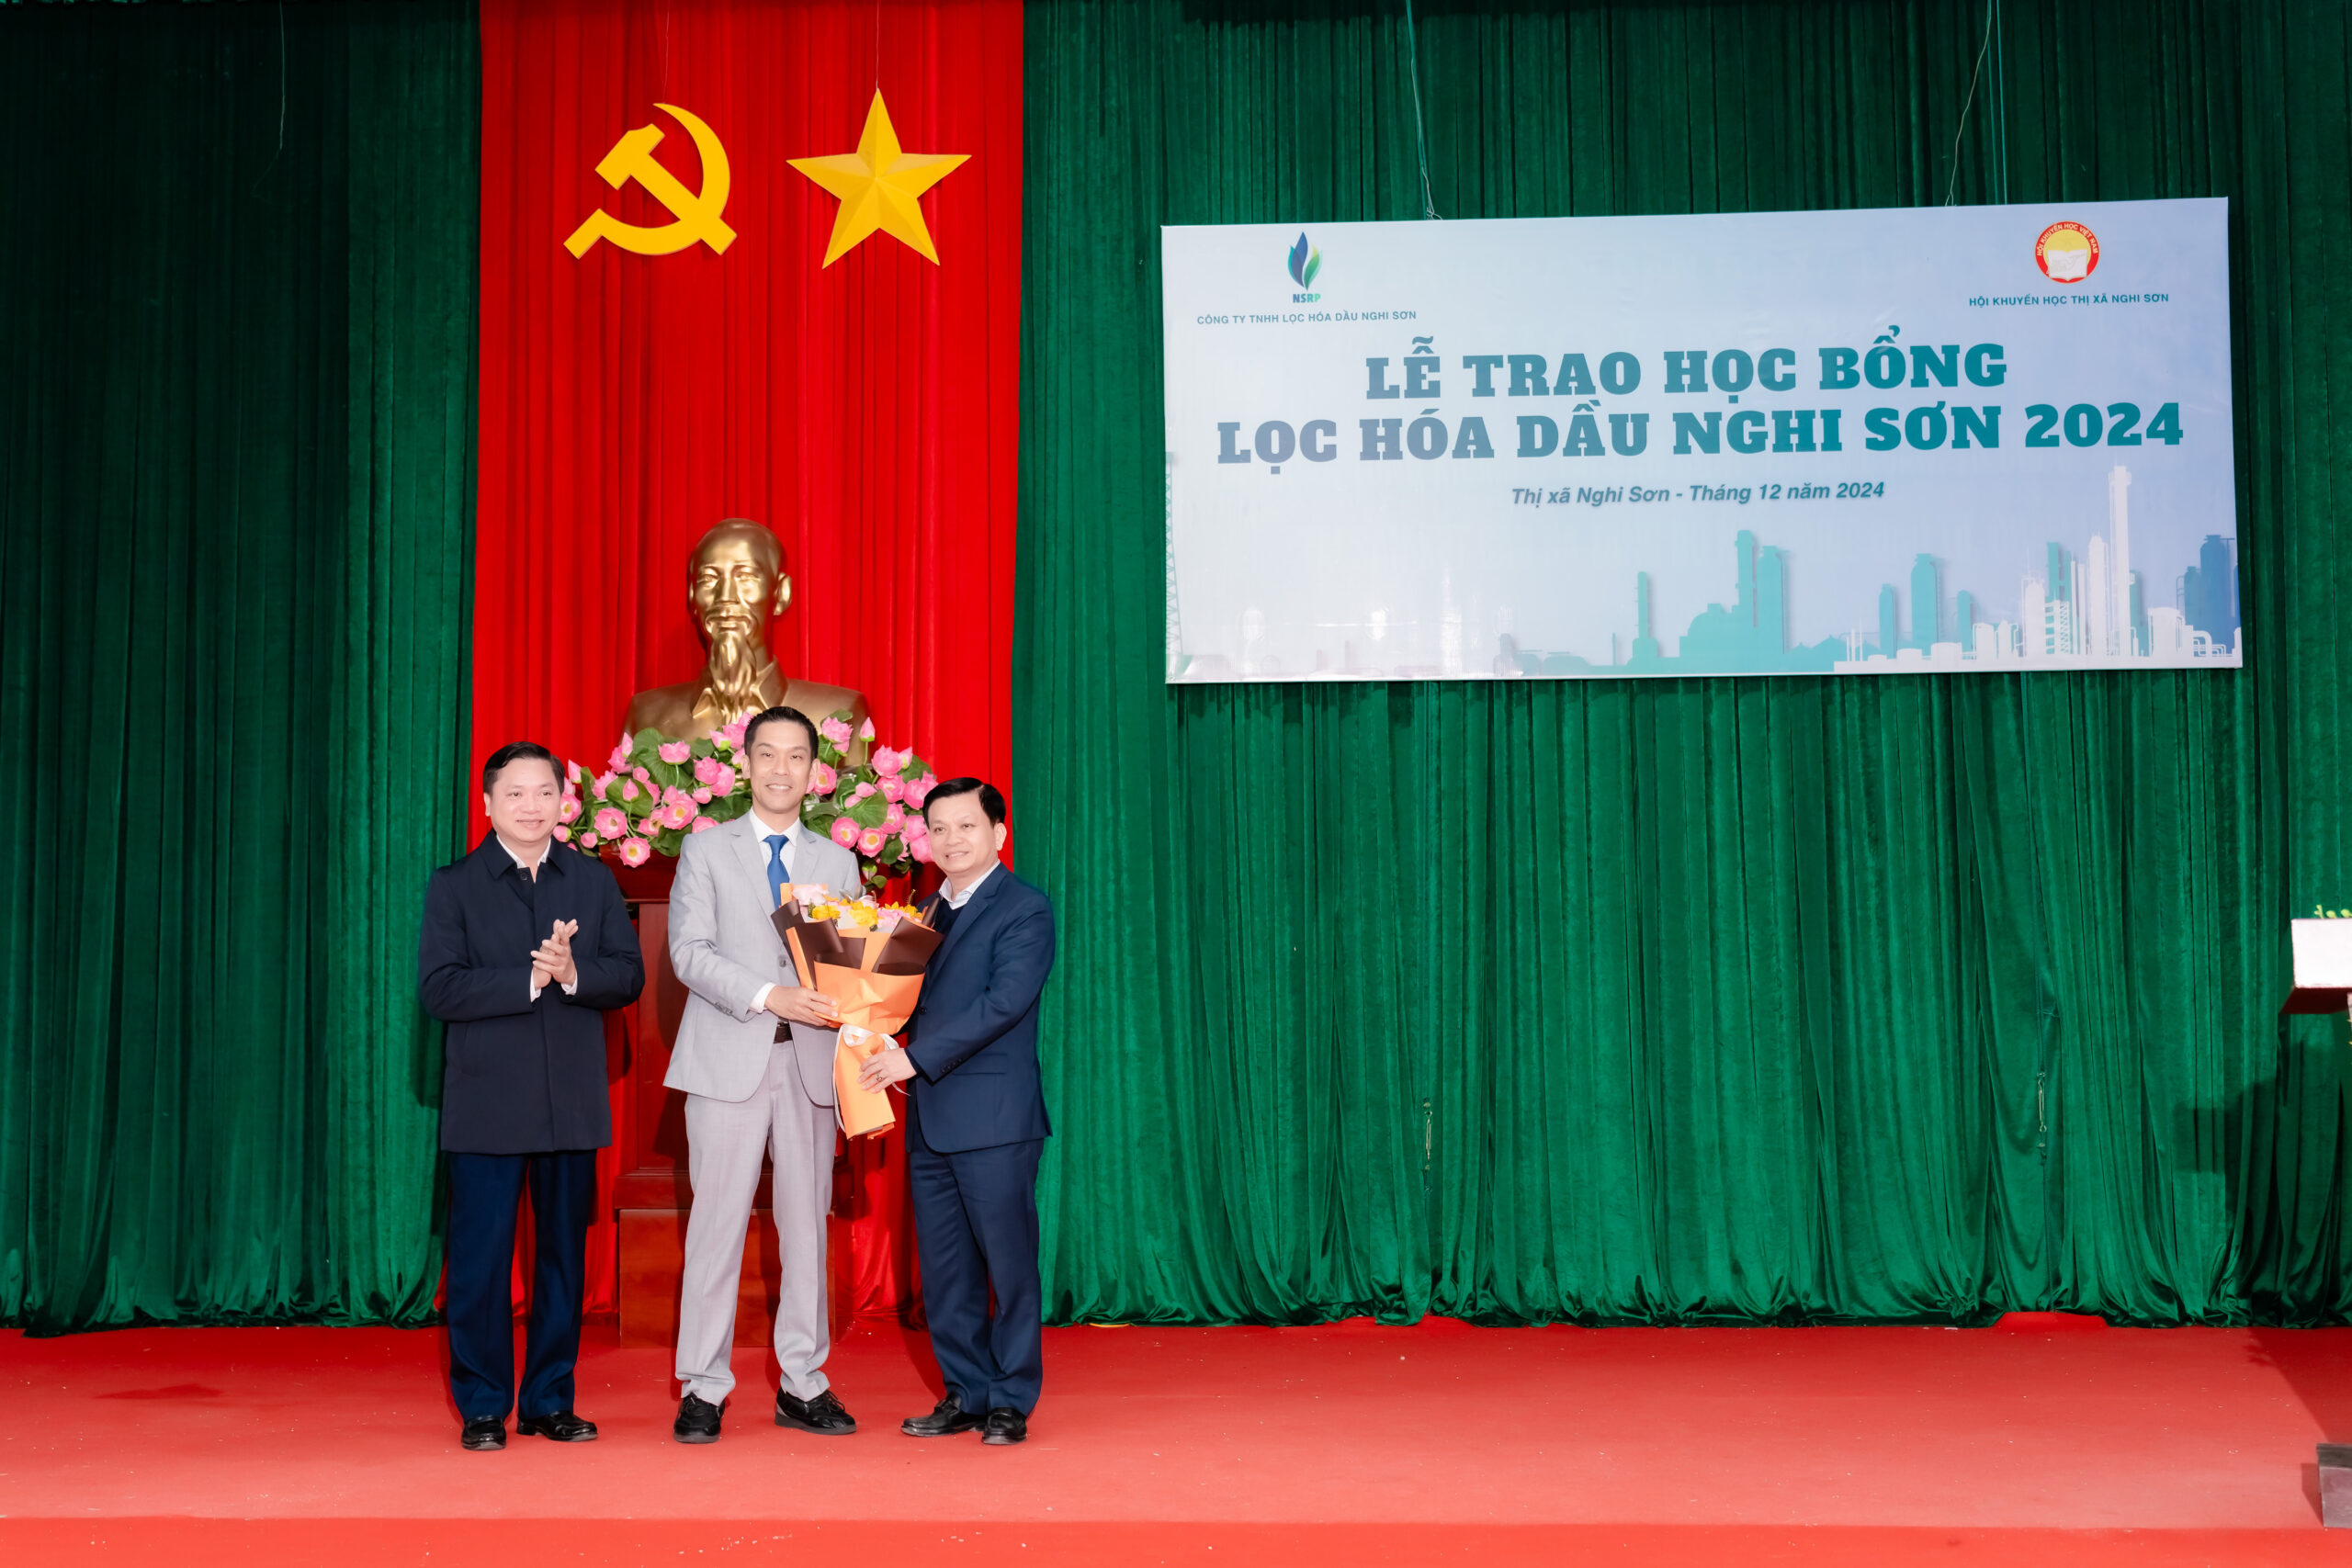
column 2091, row 610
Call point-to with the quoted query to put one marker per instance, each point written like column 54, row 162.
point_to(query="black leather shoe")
column 822, row 1415
column 698, row 1421
column 484, row 1432
column 1006, row 1425
column 563, row 1427
column 946, row 1418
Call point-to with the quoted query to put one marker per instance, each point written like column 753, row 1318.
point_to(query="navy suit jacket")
column 973, row 1039
column 521, row 1077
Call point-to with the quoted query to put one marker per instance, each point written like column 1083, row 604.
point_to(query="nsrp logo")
column 1305, row 263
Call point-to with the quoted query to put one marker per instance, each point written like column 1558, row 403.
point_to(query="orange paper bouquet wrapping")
column 870, row 962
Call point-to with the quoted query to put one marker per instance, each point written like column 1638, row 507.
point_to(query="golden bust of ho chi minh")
column 736, row 583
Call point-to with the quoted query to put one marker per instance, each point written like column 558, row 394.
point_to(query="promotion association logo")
column 1305, row 263
column 2066, row 252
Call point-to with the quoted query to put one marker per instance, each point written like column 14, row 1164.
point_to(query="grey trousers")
column 724, row 1142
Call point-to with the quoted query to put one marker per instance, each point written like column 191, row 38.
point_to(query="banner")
column 1858, row 442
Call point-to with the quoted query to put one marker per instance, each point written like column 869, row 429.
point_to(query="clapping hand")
column 553, row 961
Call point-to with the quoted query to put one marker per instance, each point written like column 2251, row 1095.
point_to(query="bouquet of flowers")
column 654, row 791
column 869, row 958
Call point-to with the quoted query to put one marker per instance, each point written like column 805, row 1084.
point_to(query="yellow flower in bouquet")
column 849, row 916
column 816, row 900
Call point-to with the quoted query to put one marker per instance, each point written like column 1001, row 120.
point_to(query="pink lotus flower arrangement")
column 654, row 792
column 859, row 805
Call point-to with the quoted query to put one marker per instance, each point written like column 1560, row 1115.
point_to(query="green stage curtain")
column 236, row 434
column 1768, row 999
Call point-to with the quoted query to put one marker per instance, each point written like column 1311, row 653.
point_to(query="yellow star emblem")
column 880, row 186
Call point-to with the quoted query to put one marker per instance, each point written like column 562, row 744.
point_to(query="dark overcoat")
column 524, row 1077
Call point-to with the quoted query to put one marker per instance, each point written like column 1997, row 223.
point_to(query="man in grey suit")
column 754, row 1055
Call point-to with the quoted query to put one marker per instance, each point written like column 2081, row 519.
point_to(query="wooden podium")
column 651, row 1196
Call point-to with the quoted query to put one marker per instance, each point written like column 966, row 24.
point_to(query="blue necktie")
column 778, row 873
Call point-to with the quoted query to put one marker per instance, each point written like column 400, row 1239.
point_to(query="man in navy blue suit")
column 976, row 1121
column 526, row 945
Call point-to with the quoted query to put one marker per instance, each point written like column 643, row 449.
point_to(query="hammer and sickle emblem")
column 697, row 214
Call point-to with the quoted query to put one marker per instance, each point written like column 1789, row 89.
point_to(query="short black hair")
column 517, row 752
column 991, row 801
column 779, row 713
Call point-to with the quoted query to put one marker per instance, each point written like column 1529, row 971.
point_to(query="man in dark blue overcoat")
column 526, row 945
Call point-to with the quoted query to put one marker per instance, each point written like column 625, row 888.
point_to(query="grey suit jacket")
column 724, row 946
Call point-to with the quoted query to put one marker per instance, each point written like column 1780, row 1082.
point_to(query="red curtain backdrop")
column 866, row 412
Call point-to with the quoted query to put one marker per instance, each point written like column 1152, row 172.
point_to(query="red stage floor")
column 1217, row 1447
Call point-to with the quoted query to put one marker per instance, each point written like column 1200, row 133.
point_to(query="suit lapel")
column 969, row 913
column 753, row 854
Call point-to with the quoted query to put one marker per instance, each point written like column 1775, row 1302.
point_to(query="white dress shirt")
column 792, row 839
column 958, row 901
column 530, row 869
